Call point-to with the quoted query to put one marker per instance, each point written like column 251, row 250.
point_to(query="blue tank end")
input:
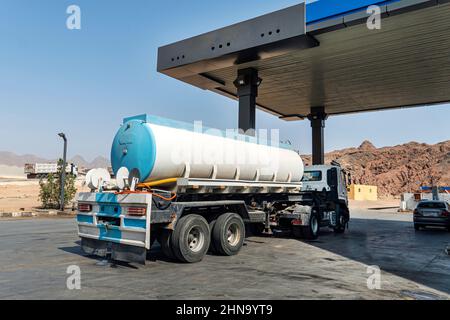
column 134, row 147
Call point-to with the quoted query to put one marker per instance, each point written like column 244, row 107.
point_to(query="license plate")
column 432, row 214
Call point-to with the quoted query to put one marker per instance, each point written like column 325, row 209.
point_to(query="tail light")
column 445, row 213
column 137, row 211
column 416, row 212
column 297, row 222
column 83, row 207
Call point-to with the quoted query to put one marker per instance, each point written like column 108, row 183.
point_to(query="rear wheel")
column 164, row 240
column 191, row 238
column 152, row 238
column 344, row 217
column 212, row 249
column 228, row 234
column 311, row 232
column 341, row 225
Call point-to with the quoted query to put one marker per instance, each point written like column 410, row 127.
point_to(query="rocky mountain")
column 99, row 162
column 12, row 159
column 397, row 169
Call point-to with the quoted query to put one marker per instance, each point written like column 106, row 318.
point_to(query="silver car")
column 432, row 213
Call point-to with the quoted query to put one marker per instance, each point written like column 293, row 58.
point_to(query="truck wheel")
column 212, row 249
column 340, row 228
column 228, row 234
column 152, row 238
column 311, row 232
column 191, row 238
column 164, row 240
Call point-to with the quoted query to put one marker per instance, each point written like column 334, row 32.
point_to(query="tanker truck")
column 196, row 190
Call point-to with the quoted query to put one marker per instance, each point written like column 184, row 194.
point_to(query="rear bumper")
column 133, row 237
column 431, row 221
column 108, row 221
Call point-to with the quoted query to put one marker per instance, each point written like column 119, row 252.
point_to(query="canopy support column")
column 247, row 84
column 317, row 118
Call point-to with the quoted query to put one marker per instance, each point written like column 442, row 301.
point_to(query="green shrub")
column 50, row 192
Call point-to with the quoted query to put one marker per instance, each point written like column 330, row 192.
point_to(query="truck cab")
column 331, row 180
column 322, row 202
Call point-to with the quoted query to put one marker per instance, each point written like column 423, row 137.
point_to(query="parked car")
column 432, row 213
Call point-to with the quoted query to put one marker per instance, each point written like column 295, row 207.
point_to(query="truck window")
column 311, row 176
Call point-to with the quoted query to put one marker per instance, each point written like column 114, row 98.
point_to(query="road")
column 35, row 255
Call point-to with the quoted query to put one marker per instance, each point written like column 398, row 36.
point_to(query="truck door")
column 332, row 179
column 342, row 185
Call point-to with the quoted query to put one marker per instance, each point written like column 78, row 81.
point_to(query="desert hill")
column 397, row 169
column 14, row 160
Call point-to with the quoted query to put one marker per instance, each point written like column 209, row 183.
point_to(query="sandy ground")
column 9, row 172
column 22, row 195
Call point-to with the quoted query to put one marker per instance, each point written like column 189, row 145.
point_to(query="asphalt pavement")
column 36, row 255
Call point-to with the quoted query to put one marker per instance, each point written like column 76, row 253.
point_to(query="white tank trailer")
column 164, row 149
column 202, row 190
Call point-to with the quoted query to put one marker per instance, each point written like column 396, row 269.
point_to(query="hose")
column 157, row 183
column 173, row 195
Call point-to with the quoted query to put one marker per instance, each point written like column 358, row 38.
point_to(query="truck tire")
column 340, row 228
column 191, row 238
column 344, row 218
column 152, row 238
column 212, row 249
column 164, row 239
column 311, row 232
column 228, row 234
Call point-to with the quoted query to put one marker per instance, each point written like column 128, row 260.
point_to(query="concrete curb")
column 37, row 213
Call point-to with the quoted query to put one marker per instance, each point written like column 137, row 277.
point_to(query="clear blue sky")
column 85, row 81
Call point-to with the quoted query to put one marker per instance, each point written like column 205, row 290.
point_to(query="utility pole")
column 63, row 171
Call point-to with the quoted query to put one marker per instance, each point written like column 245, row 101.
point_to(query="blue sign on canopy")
column 319, row 10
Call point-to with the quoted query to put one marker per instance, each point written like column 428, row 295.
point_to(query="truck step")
column 256, row 216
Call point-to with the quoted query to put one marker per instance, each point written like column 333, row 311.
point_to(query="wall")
column 409, row 202
column 363, row 193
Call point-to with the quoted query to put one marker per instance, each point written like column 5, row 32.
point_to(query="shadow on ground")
column 396, row 248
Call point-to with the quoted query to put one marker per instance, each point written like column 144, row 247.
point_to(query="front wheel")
column 311, row 232
column 191, row 238
column 228, row 234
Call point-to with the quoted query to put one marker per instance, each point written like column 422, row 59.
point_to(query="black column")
column 317, row 118
column 247, row 84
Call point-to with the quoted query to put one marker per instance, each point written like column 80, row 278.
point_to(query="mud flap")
column 124, row 253
column 118, row 252
column 95, row 247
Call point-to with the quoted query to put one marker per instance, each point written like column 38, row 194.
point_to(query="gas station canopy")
column 323, row 54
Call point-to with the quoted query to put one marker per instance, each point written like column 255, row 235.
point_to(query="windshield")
column 432, row 205
column 312, row 176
